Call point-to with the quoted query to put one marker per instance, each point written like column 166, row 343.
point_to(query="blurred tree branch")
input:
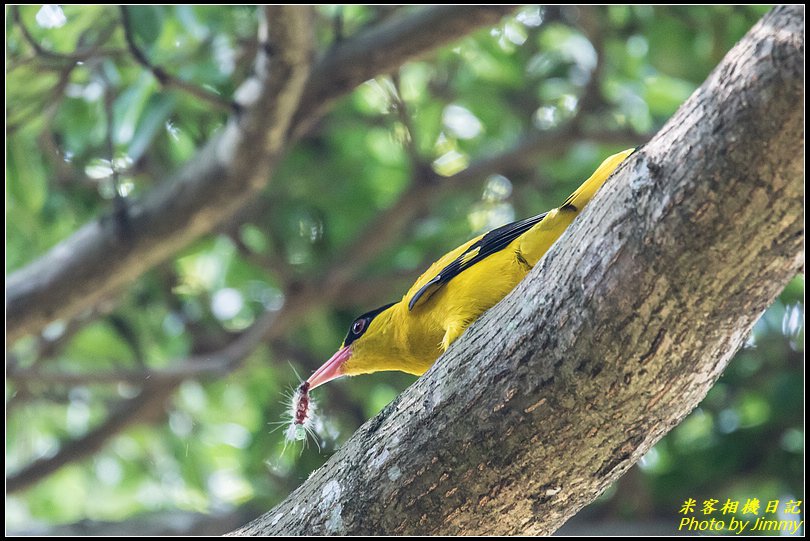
column 145, row 407
column 157, row 523
column 665, row 274
column 61, row 60
column 383, row 48
column 94, row 262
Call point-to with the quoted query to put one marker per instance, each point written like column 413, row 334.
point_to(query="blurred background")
column 111, row 428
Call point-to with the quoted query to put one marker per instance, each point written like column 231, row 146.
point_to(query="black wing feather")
column 494, row 241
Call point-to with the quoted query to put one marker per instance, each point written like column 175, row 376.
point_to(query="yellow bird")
column 409, row 335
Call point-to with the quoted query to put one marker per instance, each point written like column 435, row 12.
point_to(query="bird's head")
column 370, row 346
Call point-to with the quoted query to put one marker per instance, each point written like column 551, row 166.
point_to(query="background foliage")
column 79, row 105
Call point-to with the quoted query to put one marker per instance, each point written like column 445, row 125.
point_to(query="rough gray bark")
column 612, row 339
column 107, row 254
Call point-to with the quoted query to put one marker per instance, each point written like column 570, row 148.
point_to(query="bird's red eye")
column 358, row 326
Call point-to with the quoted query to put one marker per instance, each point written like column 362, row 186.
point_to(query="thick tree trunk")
column 615, row 336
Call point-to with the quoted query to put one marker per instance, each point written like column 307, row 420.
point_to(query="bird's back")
column 467, row 281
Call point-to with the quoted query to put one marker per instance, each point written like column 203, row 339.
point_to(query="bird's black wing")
column 494, row 241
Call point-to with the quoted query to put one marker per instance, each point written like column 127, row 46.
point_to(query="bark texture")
column 613, row 338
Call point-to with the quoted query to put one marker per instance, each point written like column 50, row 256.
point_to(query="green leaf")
column 27, row 182
column 81, row 124
column 146, row 22
column 665, row 94
column 98, row 342
column 428, row 125
column 158, row 109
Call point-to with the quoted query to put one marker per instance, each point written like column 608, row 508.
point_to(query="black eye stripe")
column 360, row 325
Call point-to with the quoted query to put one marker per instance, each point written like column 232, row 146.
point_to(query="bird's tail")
column 536, row 242
column 584, row 193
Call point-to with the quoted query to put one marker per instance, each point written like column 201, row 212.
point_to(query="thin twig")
column 23, row 394
column 338, row 26
column 163, row 77
column 79, row 55
column 145, row 406
column 253, row 213
column 120, row 209
column 592, row 100
column 419, row 165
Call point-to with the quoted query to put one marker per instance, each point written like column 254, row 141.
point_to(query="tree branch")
column 95, row 261
column 382, row 49
column 62, row 59
column 155, row 523
column 157, row 386
column 142, row 408
column 612, row 339
column 232, row 167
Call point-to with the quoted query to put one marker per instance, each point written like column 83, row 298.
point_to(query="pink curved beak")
column 331, row 369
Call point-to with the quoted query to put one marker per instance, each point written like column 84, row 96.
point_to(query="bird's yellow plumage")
column 410, row 334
